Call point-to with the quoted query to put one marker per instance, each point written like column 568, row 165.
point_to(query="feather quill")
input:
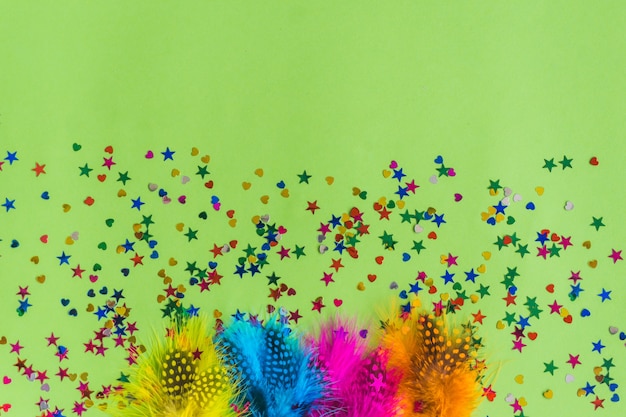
column 180, row 375
column 278, row 372
column 439, row 361
column 359, row 383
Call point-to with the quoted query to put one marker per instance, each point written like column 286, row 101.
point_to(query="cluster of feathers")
column 421, row 366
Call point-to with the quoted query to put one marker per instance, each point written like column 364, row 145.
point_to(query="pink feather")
column 359, row 383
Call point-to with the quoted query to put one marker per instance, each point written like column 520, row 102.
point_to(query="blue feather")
column 278, row 372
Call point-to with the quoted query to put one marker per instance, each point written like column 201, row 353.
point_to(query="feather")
column 360, row 384
column 180, row 375
column 442, row 375
column 278, row 372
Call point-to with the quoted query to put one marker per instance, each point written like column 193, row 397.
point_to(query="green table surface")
column 301, row 111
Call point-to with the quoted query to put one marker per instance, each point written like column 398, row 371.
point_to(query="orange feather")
column 439, row 361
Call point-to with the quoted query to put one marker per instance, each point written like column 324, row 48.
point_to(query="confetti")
column 407, row 242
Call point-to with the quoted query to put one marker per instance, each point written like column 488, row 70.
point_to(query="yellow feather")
column 438, row 359
column 179, row 375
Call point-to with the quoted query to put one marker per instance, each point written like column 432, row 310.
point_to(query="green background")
column 338, row 89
